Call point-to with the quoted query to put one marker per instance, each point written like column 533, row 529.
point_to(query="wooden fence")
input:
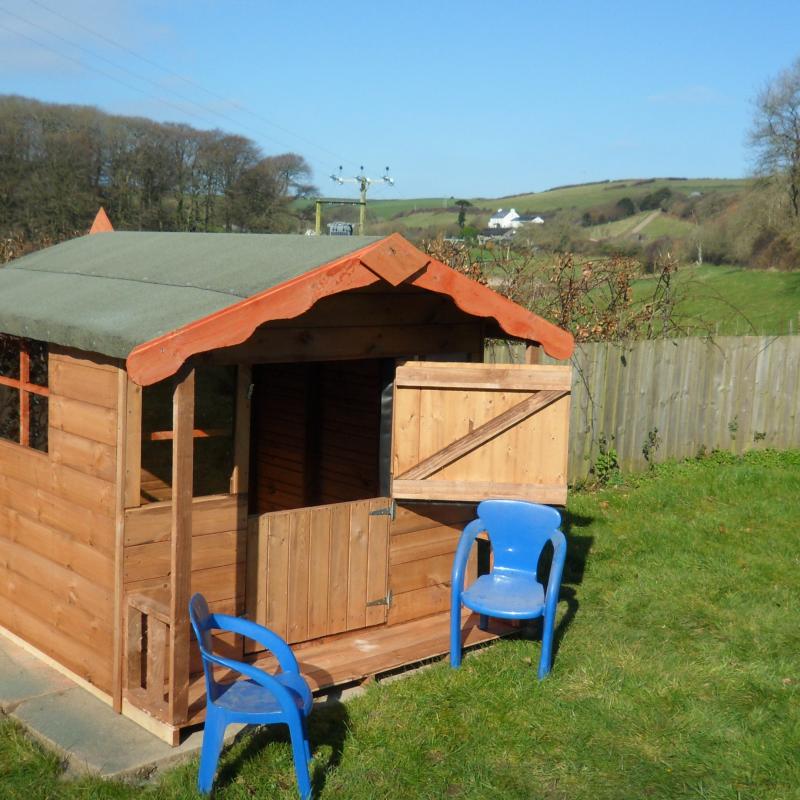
column 685, row 395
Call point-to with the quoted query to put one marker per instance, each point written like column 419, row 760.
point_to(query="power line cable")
column 136, row 75
column 192, row 82
column 104, row 73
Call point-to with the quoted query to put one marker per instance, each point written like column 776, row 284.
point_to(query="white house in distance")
column 512, row 220
column 505, row 219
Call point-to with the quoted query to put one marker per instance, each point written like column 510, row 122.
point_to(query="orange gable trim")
column 393, row 259
column 481, row 301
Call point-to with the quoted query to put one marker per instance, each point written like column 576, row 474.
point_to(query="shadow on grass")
column 328, row 725
column 578, row 549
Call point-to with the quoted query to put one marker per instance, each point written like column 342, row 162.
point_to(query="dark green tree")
column 463, row 205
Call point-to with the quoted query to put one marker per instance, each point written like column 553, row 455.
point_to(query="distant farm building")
column 511, row 220
column 505, row 219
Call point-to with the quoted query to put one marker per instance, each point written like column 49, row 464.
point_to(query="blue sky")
column 458, row 98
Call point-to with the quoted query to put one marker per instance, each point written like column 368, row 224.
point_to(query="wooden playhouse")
column 298, row 427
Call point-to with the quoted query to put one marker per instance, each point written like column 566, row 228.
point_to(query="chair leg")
column 483, row 622
column 545, row 660
column 301, row 754
column 213, row 735
column 455, row 636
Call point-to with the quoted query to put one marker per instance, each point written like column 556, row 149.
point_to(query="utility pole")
column 364, row 183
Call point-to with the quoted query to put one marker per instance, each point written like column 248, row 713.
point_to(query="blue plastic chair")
column 518, row 532
column 262, row 699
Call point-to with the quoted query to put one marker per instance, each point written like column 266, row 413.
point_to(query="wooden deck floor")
column 354, row 656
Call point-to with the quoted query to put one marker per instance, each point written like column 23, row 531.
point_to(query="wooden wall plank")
column 278, row 583
column 133, row 445
column 241, row 439
column 419, row 603
column 318, row 577
column 38, row 470
column 517, row 377
column 77, row 380
column 299, row 547
column 339, row 565
column 181, row 544
column 430, row 571
column 36, row 628
column 377, row 561
column 93, row 458
column 58, row 513
column 56, row 546
column 331, row 344
column 357, row 565
column 424, row 538
column 62, row 581
column 87, row 420
column 462, row 490
column 152, row 560
column 212, row 514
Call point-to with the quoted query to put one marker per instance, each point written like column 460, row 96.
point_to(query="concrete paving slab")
column 92, row 738
column 23, row 676
column 85, row 731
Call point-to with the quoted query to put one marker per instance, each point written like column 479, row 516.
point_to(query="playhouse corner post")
column 181, row 544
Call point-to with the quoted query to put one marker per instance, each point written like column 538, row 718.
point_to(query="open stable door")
column 465, row 432
column 314, row 572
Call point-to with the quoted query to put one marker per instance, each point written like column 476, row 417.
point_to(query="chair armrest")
column 252, row 630
column 559, row 542
column 260, row 677
column 468, row 536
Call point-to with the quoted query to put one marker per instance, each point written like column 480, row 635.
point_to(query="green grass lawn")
column 677, row 673
column 734, row 301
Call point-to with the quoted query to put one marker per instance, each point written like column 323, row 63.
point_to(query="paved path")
column 82, row 729
column 86, row 732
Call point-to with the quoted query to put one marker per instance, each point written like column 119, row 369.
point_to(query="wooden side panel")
column 467, row 431
column 219, row 546
column 312, row 572
column 423, row 541
column 57, row 530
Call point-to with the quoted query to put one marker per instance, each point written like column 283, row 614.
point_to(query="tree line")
column 59, row 163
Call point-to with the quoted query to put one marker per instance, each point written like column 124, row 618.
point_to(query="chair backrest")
column 202, row 622
column 518, row 532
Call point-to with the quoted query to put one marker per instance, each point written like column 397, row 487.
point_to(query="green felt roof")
column 110, row 292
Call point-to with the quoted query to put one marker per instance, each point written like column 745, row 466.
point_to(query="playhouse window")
column 23, row 391
column 215, row 389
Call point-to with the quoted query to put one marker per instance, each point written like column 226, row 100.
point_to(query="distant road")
column 644, row 223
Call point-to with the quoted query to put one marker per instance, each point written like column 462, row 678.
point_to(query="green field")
column 590, row 195
column 430, row 213
column 579, row 198
column 734, row 301
column 662, row 225
column 676, row 676
column 667, row 225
